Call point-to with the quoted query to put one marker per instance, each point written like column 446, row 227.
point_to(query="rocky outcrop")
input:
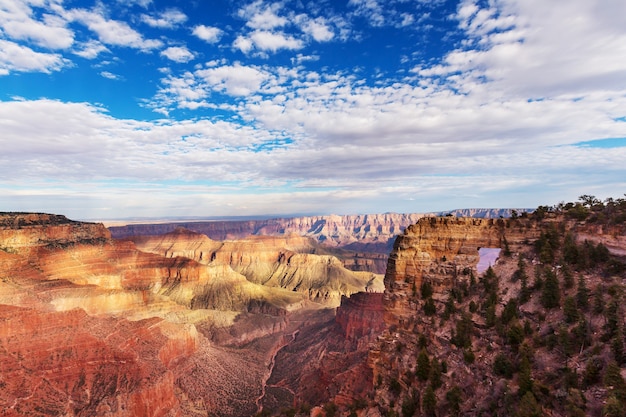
column 21, row 232
column 282, row 262
column 443, row 251
column 361, row 317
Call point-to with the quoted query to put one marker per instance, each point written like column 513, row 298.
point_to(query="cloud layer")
column 254, row 114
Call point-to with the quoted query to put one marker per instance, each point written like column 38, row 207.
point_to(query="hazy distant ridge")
column 333, row 230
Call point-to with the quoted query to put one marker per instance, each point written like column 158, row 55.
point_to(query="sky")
column 174, row 108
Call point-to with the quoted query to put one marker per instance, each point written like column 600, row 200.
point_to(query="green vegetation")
column 545, row 333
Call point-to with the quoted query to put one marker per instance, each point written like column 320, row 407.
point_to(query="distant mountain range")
column 353, row 231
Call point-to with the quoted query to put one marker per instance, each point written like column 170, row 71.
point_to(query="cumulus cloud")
column 317, row 28
column 207, row 33
column 17, row 22
column 167, row 19
column 236, row 80
column 262, row 16
column 178, row 54
column 112, row 32
column 90, row 49
column 20, row 58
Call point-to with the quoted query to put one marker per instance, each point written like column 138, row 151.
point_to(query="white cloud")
column 317, row 28
column 207, row 33
column 369, row 9
column 168, row 19
column 110, row 75
column 18, row 23
column 20, row 58
column 262, row 16
column 244, row 44
column 91, row 49
column 112, row 32
column 236, row 80
column 536, row 49
column 271, row 41
column 264, row 41
column 178, row 54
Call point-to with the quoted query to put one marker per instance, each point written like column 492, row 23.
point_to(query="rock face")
column 504, row 336
column 361, row 317
column 332, row 230
column 443, row 251
column 282, row 262
column 20, row 232
column 92, row 326
column 67, row 363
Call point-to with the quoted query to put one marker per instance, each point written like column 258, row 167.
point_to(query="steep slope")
column 539, row 333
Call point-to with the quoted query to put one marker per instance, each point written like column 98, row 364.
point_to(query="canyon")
column 292, row 322
column 173, row 325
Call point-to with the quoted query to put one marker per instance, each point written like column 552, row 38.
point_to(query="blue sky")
column 151, row 108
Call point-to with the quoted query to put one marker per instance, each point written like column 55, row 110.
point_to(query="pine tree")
column 598, row 300
column 612, row 320
column 422, row 369
column 435, row 374
column 582, row 294
column 429, row 402
column 454, row 397
column 529, row 407
column 550, row 293
column 570, row 310
column 524, row 378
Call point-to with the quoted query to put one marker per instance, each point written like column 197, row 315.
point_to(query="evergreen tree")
column 529, row 407
column 613, row 408
column 435, row 374
column 464, row 329
column 570, row 310
column 422, row 369
column 429, row 307
column 426, row 289
column 454, row 397
column 582, row 294
column 550, row 293
column 524, row 378
column 598, row 300
column 429, row 402
column 617, row 347
column 612, row 320
column 568, row 277
column 509, row 312
column 614, row 380
column 410, row 404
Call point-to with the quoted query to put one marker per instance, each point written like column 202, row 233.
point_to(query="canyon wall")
column 189, row 326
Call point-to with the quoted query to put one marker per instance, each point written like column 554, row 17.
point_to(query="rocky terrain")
column 93, row 326
column 540, row 333
column 362, row 242
column 180, row 324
